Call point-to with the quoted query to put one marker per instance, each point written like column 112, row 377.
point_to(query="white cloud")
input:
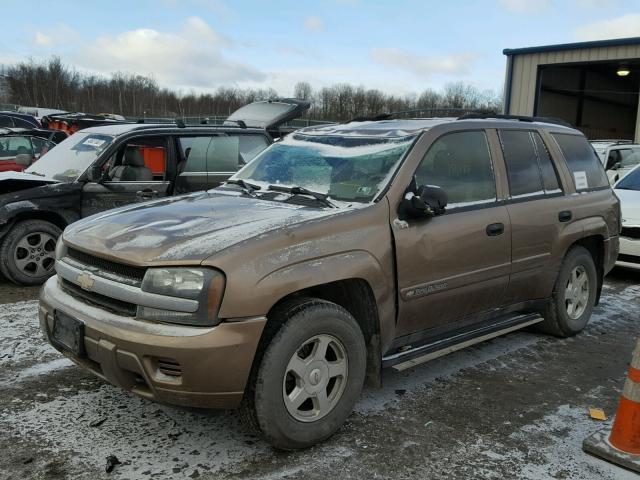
column 55, row 35
column 621, row 27
column 43, row 39
column 189, row 58
column 314, row 24
column 526, row 6
column 457, row 64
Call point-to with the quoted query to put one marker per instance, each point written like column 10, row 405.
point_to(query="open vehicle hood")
column 15, row 181
column 268, row 114
column 183, row 230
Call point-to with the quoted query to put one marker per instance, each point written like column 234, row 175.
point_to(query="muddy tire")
column 574, row 295
column 309, row 375
column 27, row 252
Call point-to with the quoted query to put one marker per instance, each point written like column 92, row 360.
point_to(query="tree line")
column 52, row 84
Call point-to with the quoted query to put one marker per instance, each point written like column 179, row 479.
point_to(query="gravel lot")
column 513, row 407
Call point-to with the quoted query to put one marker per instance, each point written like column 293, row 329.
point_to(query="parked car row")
column 338, row 251
column 108, row 166
column 20, row 147
column 619, row 157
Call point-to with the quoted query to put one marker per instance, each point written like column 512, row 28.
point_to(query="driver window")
column 460, row 164
column 141, row 159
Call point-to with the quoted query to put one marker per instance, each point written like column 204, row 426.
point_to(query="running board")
column 430, row 351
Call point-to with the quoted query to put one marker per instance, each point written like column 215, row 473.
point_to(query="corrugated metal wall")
column 525, row 68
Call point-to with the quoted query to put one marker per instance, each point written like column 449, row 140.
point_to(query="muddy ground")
column 513, row 407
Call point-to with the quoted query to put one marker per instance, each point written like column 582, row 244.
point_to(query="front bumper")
column 180, row 365
column 629, row 253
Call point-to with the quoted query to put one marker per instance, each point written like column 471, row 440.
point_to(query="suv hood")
column 269, row 114
column 183, row 230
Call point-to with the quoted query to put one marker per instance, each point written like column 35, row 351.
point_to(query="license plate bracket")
column 68, row 333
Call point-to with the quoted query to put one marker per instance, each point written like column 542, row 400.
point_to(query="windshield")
column 70, row 158
column 630, row 182
column 344, row 168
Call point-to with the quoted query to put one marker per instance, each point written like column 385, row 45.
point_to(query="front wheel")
column 27, row 253
column 310, row 376
column 574, row 295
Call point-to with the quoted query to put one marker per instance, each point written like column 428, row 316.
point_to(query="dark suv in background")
column 109, row 166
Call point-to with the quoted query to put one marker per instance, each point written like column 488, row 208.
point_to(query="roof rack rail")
column 430, row 113
column 615, row 141
column 521, row 118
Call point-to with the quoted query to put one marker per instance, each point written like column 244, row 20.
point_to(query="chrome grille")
column 111, row 304
column 105, row 268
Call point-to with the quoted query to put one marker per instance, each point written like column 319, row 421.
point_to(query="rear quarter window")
column 584, row 164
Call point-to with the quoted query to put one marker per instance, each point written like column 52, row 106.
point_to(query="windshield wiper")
column 248, row 188
column 296, row 190
column 36, row 173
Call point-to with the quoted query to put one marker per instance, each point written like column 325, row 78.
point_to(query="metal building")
column 592, row 85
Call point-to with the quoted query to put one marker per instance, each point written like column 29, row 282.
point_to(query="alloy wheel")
column 34, row 254
column 315, row 378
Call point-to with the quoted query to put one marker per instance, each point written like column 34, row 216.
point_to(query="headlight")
column 205, row 285
column 175, row 282
column 61, row 248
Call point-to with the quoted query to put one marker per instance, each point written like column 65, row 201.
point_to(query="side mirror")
column 429, row 201
column 23, row 159
column 95, row 174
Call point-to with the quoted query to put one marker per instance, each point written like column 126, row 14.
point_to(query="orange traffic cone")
column 622, row 447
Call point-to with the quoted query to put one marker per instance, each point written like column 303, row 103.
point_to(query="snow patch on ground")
column 20, row 338
column 567, row 457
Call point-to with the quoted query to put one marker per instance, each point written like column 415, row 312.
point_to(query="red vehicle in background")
column 20, row 147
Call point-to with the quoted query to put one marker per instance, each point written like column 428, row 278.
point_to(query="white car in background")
column 628, row 191
column 619, row 157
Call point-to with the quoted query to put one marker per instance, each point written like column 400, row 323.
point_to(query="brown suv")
column 336, row 252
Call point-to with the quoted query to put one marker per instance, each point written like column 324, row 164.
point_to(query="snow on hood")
column 183, row 229
column 630, row 205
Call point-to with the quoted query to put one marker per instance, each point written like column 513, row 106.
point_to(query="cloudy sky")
column 399, row 46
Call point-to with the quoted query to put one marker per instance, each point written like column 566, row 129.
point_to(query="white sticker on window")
column 94, row 142
column 581, row 180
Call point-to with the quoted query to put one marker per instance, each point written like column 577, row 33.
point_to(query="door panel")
column 449, row 267
column 536, row 229
column 453, row 266
column 97, row 197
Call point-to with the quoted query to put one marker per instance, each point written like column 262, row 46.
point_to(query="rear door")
column 159, row 159
column 536, row 204
column 207, row 161
column 453, row 266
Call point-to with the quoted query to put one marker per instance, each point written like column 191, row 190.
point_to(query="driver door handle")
column 495, row 229
column 147, row 193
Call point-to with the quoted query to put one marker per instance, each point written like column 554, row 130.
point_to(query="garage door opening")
column 593, row 97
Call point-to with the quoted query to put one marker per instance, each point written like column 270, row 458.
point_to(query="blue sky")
column 401, row 46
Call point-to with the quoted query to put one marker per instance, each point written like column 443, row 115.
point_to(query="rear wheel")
column 574, row 295
column 27, row 253
column 310, row 376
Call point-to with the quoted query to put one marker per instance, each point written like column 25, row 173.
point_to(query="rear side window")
column 250, row 146
column 582, row 160
column 548, row 171
column 529, row 165
column 210, row 154
column 522, row 162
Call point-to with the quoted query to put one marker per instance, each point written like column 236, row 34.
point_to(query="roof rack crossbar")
column 521, row 118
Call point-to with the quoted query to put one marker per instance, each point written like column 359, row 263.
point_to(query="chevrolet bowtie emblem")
column 85, row 280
